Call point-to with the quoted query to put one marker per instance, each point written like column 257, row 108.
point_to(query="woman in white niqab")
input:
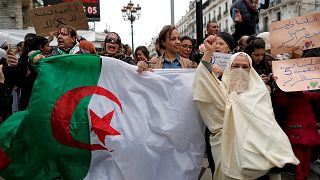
column 246, row 140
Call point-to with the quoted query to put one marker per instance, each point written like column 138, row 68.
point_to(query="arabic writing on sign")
column 300, row 32
column 51, row 18
column 297, row 74
column 67, row 8
column 220, row 59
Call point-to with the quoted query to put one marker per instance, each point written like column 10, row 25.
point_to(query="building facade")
column 211, row 10
column 285, row 9
column 14, row 14
column 219, row 10
column 152, row 47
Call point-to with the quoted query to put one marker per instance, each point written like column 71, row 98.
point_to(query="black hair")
column 254, row 43
column 144, row 50
column 29, row 36
column 20, row 44
column 187, row 38
column 37, row 43
column 212, row 21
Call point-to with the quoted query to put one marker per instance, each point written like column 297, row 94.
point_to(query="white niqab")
column 239, row 80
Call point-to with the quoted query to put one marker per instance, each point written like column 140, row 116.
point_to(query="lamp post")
column 131, row 13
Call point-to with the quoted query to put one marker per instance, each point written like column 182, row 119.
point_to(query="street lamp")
column 131, row 13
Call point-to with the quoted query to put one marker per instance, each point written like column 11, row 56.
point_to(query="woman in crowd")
column 186, row 47
column 40, row 43
column 141, row 54
column 169, row 41
column 300, row 125
column 256, row 49
column 224, row 44
column 114, row 48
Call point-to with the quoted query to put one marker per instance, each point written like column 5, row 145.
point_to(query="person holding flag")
column 82, row 122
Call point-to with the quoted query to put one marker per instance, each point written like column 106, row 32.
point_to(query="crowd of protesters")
column 295, row 112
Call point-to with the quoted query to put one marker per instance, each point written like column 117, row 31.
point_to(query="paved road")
column 205, row 173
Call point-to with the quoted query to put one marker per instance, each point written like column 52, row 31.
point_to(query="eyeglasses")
column 186, row 46
column 245, row 67
column 114, row 40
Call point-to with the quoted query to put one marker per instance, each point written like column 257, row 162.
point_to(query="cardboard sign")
column 297, row 74
column 220, row 59
column 90, row 7
column 297, row 33
column 51, row 18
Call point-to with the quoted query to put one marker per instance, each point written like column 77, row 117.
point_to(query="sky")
column 154, row 15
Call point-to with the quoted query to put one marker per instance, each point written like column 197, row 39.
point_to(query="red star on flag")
column 101, row 126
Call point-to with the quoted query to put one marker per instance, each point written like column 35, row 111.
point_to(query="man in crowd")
column 212, row 28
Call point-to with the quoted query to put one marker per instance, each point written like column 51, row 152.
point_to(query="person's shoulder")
column 185, row 60
column 129, row 60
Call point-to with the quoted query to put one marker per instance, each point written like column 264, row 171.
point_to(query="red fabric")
column 299, row 120
column 303, row 153
column 4, row 160
column 62, row 113
column 101, row 126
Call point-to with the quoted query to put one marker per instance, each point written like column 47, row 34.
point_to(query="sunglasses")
column 114, row 40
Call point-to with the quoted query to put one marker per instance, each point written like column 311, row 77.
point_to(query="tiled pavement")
column 205, row 173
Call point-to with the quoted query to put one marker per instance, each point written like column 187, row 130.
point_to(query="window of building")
column 209, row 17
column 266, row 24
column 226, row 8
column 227, row 28
column 278, row 16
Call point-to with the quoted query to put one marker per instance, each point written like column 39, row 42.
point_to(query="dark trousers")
column 208, row 150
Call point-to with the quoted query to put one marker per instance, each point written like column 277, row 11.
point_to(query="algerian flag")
column 92, row 118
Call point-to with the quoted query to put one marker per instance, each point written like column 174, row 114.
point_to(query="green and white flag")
column 96, row 118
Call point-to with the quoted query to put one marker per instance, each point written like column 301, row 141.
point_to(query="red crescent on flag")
column 4, row 160
column 63, row 110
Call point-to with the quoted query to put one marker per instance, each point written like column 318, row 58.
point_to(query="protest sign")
column 220, row 59
column 297, row 74
column 90, row 7
column 51, row 18
column 297, row 33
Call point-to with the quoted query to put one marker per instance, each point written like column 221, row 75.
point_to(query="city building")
column 152, row 48
column 285, row 9
column 211, row 10
column 219, row 10
column 14, row 14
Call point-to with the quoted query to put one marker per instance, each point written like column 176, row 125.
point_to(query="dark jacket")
column 5, row 102
column 299, row 119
